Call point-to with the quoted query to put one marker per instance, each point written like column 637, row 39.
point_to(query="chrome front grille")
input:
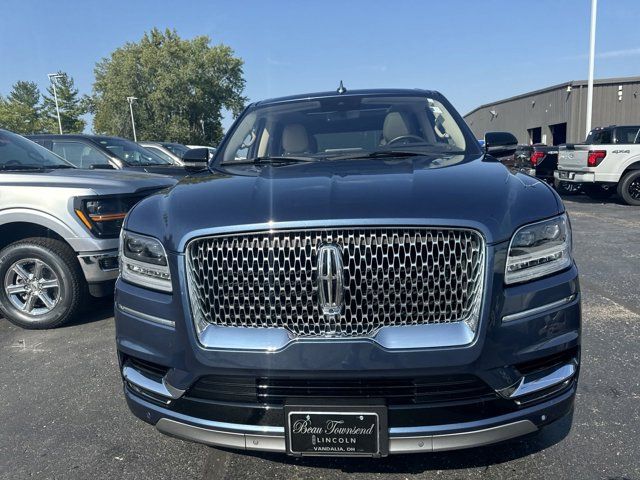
column 391, row 277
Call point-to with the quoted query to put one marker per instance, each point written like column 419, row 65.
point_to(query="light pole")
column 52, row 78
column 133, row 122
column 592, row 51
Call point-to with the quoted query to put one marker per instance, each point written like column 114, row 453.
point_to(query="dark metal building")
column 557, row 114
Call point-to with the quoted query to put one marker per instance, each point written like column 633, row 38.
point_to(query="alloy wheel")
column 634, row 189
column 32, row 286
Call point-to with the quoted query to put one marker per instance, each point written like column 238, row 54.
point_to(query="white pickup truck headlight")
column 143, row 261
column 539, row 249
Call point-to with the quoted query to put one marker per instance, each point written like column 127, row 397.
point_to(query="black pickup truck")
column 541, row 161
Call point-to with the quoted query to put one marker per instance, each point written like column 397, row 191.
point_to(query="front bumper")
column 521, row 323
column 420, row 438
column 99, row 266
column 100, row 270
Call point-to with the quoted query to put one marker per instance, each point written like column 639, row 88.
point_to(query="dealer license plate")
column 323, row 431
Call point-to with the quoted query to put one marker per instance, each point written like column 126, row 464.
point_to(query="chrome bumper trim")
column 530, row 385
column 276, row 443
column 405, row 337
column 457, row 441
column 538, row 310
column 90, row 263
column 146, row 316
column 202, row 435
column 265, row 443
column 150, row 384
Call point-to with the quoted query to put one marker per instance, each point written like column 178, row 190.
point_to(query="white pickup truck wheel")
column 629, row 188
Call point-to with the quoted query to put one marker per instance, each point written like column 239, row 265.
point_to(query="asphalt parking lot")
column 62, row 413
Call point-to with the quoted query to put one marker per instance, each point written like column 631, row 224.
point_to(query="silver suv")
column 59, row 229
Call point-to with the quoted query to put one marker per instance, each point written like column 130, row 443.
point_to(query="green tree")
column 72, row 106
column 181, row 85
column 20, row 111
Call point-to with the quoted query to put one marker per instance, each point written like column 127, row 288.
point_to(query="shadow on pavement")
column 586, row 200
column 419, row 463
column 96, row 310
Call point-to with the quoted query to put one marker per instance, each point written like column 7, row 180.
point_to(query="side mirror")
column 500, row 144
column 196, row 159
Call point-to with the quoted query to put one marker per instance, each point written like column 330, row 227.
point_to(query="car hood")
column 100, row 181
column 454, row 191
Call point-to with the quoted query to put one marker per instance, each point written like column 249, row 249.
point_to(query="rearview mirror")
column 196, row 159
column 500, row 144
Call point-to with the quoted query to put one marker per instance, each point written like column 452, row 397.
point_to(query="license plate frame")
column 332, row 444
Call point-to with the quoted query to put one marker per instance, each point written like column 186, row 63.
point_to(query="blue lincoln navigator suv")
column 350, row 275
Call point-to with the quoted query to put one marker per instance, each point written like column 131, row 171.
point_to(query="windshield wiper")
column 20, row 167
column 381, row 154
column 269, row 160
column 33, row 167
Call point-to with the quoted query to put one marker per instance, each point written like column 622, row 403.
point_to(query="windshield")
column 162, row 154
column 176, row 148
column 346, row 127
column 18, row 153
column 131, row 153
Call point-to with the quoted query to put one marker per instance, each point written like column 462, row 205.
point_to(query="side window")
column 80, row 154
column 242, row 140
column 626, row 135
column 243, row 150
column 444, row 126
column 602, row 137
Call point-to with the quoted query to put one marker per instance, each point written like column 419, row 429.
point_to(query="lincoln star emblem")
column 330, row 279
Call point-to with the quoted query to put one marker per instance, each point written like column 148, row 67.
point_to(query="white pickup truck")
column 609, row 160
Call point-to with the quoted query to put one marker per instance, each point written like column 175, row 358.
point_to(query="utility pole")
column 52, row 78
column 133, row 122
column 592, row 52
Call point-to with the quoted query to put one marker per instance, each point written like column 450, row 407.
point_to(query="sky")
column 474, row 52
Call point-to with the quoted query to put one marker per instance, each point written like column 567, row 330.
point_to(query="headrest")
column 295, row 139
column 394, row 126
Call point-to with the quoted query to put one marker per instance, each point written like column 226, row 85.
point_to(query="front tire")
column 629, row 188
column 41, row 283
column 597, row 191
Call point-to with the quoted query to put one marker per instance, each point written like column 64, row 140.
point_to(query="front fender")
column 75, row 236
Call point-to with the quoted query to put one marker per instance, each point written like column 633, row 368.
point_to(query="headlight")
column 143, row 262
column 539, row 249
column 104, row 215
